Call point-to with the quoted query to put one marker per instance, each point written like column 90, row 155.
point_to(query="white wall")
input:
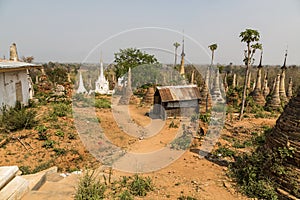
column 8, row 82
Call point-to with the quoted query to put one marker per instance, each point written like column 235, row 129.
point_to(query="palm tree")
column 176, row 45
column 248, row 36
column 212, row 47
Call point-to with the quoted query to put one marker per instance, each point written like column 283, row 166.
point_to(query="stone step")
column 7, row 173
column 37, row 180
column 49, row 195
column 15, row 189
column 53, row 191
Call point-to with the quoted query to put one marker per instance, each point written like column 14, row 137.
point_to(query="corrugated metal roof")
column 5, row 64
column 178, row 92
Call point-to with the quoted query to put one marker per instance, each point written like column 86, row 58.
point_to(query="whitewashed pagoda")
column 81, row 89
column 102, row 85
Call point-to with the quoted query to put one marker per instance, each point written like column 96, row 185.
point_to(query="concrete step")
column 7, row 173
column 49, row 195
column 37, row 180
column 55, row 188
column 15, row 189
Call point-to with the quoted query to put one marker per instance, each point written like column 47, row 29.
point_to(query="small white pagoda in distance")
column 81, row 89
column 101, row 85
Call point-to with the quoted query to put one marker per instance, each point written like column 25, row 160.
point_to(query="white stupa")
column 81, row 89
column 102, row 86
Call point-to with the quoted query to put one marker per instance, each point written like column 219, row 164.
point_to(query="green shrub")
column 48, row 144
column 182, row 197
column 17, row 118
column 102, row 103
column 60, row 151
column 60, row 134
column 90, row 188
column 225, row 152
column 205, row 117
column 139, row 186
column 125, row 195
column 173, row 125
column 42, row 132
column 61, row 109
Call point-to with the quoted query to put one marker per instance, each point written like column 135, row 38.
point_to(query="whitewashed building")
column 15, row 82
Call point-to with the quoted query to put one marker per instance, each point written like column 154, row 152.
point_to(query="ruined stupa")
column 127, row 90
column 13, row 53
column 286, row 133
column 274, row 102
column 205, row 94
column 216, row 92
column 290, row 89
column 257, row 92
column 282, row 93
column 266, row 89
column 149, row 97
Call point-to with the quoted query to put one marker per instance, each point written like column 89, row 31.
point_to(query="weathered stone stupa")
column 286, row 133
column 13, row 53
column 275, row 102
column 290, row 89
column 216, row 92
column 149, row 97
column 127, row 91
column 282, row 93
column 205, row 94
column 257, row 92
column 266, row 89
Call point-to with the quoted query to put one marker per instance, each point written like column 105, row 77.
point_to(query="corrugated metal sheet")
column 5, row 64
column 178, row 93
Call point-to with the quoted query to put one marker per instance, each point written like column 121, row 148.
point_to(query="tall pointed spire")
column 182, row 72
column 274, row 102
column 81, row 88
column 101, row 84
column 282, row 92
column 284, row 63
column 257, row 91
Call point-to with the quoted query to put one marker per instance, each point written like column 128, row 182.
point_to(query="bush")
column 48, row 144
column 90, row 188
column 205, row 117
column 42, row 132
column 225, row 152
column 17, row 118
column 59, row 151
column 61, row 109
column 102, row 103
column 257, row 173
column 139, row 186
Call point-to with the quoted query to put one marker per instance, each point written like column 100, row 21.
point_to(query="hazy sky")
column 68, row 31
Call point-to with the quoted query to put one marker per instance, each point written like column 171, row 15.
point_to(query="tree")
column 131, row 57
column 176, row 45
column 27, row 59
column 212, row 47
column 249, row 36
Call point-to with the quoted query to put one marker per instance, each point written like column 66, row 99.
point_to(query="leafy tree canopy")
column 131, row 57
